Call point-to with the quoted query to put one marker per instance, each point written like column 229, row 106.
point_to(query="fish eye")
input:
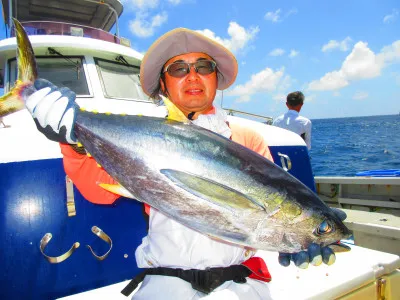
column 324, row 228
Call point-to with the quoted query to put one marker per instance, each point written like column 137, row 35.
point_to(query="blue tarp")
column 380, row 173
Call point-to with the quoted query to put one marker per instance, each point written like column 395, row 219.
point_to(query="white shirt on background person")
column 292, row 121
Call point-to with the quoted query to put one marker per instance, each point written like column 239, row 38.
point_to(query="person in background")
column 179, row 263
column 292, row 120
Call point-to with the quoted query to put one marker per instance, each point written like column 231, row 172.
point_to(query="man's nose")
column 192, row 75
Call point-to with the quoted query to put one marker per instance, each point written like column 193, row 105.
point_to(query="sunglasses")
column 181, row 69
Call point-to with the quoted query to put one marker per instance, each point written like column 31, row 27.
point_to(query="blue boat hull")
column 33, row 203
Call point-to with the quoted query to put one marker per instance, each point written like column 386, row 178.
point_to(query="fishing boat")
column 57, row 245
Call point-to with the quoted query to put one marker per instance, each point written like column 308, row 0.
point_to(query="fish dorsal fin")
column 117, row 189
column 174, row 113
column 211, row 191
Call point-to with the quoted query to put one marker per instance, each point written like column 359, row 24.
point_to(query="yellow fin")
column 117, row 189
column 338, row 247
column 173, row 112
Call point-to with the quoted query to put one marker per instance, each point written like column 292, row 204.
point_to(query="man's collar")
column 293, row 112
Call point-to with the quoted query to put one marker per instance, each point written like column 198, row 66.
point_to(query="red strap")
column 147, row 208
column 259, row 268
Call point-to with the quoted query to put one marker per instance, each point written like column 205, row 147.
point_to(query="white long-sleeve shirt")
column 170, row 244
column 294, row 122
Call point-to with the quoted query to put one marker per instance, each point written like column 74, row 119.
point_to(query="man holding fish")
column 181, row 263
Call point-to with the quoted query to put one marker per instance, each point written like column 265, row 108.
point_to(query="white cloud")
column 310, row 98
column 390, row 54
column 239, row 36
column 243, row 99
column 293, row 11
column 360, row 95
column 142, row 4
column 391, row 17
column 361, row 63
column 142, row 27
column 333, row 44
column 146, row 20
column 330, row 81
column 267, row 80
column 277, row 52
column 273, row 16
column 279, row 97
column 293, row 53
column 285, row 83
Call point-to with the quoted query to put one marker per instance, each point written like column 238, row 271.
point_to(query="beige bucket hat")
column 180, row 41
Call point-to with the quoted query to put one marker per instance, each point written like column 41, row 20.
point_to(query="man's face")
column 193, row 92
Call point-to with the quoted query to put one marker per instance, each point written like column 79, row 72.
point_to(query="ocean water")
column 346, row 146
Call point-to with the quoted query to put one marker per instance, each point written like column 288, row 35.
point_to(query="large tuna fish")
column 197, row 177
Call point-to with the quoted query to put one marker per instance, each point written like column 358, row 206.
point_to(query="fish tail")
column 13, row 101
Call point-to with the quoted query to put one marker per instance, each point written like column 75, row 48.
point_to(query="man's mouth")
column 194, row 91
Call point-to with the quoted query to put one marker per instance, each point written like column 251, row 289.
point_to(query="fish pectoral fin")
column 117, row 189
column 173, row 112
column 339, row 247
column 211, row 191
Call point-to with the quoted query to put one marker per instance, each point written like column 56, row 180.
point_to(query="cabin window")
column 61, row 71
column 120, row 81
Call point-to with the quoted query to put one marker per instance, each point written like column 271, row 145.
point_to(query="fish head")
column 293, row 227
column 328, row 226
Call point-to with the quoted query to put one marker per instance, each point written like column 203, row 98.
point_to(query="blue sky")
column 343, row 55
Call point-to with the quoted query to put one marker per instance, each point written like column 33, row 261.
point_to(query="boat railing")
column 264, row 119
column 67, row 29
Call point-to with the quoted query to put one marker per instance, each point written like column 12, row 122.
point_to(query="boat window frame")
column 96, row 59
column 84, row 67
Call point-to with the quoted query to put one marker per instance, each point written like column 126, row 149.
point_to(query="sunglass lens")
column 178, row 69
column 181, row 69
column 205, row 67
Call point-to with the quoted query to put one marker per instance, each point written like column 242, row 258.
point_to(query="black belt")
column 204, row 281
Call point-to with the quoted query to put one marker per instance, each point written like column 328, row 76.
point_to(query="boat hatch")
column 92, row 13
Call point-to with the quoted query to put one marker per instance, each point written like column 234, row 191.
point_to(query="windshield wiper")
column 77, row 65
column 122, row 60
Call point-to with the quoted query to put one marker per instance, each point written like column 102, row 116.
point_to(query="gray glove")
column 53, row 110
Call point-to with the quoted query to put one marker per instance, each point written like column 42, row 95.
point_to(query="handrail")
column 64, row 28
column 232, row 111
column 113, row 10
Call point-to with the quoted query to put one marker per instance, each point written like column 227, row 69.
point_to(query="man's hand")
column 53, row 110
column 315, row 254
